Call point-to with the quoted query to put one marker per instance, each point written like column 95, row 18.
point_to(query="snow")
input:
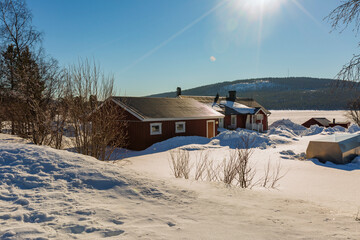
column 354, row 128
column 240, row 108
column 236, row 139
column 255, row 85
column 47, row 193
column 301, row 116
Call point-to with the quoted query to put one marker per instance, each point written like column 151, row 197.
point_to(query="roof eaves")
column 129, row 109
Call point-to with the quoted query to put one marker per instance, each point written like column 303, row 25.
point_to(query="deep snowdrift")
column 286, row 125
column 47, row 193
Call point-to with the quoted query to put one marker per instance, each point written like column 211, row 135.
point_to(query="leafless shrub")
column 230, row 168
column 277, row 175
column 357, row 218
column 201, row 165
column 236, row 169
column 180, row 163
column 245, row 171
column 267, row 176
column 272, row 175
column 212, row 171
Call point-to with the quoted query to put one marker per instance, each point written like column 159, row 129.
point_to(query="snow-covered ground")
column 301, row 116
column 55, row 194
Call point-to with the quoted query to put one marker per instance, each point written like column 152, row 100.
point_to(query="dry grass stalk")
column 277, row 175
column 230, row 168
column 201, row 165
column 212, row 171
column 272, row 175
column 245, row 172
column 180, row 163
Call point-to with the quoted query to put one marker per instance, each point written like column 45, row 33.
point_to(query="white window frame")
column 156, row 124
column 221, row 122
column 231, row 120
column 259, row 117
column 181, row 131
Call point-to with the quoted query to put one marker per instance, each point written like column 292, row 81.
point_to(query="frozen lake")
column 300, row 116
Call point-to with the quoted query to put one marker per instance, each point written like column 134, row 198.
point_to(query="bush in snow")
column 179, row 163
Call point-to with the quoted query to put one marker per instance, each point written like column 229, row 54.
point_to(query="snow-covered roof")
column 238, row 107
column 249, row 102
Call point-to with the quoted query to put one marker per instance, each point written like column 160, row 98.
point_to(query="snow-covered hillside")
column 55, row 194
column 253, row 85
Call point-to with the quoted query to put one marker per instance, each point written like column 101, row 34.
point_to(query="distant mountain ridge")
column 297, row 93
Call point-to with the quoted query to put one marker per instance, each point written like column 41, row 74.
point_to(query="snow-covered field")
column 55, row 194
column 300, row 116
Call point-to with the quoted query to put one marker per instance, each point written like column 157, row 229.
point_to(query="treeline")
column 44, row 102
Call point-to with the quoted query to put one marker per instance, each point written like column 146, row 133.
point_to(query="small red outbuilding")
column 152, row 120
column 324, row 122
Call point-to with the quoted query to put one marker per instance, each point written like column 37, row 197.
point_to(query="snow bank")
column 239, row 138
column 176, row 142
column 283, row 131
column 354, row 128
column 31, row 166
column 232, row 139
column 47, row 193
column 287, row 123
column 353, row 165
column 313, row 130
column 289, row 129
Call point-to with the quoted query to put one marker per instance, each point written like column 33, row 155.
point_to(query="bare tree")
column 16, row 25
column 353, row 112
column 97, row 124
column 348, row 13
column 28, row 80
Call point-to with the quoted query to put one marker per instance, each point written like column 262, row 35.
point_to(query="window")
column 259, row 117
column 221, row 122
column 155, row 129
column 180, row 127
column 233, row 120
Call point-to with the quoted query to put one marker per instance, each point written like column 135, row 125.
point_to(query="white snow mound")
column 242, row 138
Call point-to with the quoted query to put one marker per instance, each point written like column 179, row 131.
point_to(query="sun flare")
column 255, row 9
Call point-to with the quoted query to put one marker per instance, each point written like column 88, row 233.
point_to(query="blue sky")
column 153, row 46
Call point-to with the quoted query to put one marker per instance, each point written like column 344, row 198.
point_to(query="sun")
column 257, row 9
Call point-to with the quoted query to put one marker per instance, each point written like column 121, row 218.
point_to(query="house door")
column 210, row 129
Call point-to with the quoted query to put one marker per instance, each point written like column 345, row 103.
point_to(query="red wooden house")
column 324, row 122
column 239, row 112
column 152, row 120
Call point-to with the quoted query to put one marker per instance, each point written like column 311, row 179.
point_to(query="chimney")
column 178, row 91
column 232, row 96
column 216, row 98
column 333, row 120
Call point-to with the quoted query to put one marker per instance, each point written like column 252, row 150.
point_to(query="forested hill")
column 280, row 93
